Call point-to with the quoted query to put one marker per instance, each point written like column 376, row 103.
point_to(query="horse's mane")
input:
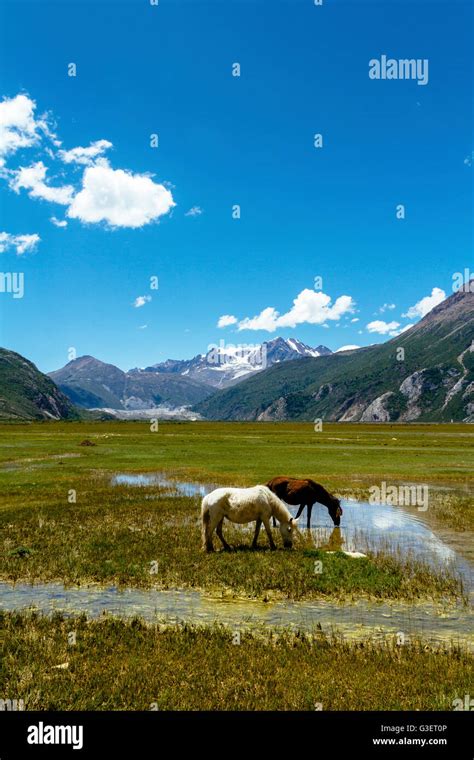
column 319, row 489
column 280, row 510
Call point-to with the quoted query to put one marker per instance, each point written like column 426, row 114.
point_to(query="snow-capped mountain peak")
column 225, row 363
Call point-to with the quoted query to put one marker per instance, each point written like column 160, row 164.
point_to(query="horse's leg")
column 257, row 531
column 209, row 525
column 308, row 513
column 219, row 533
column 274, row 522
column 208, row 537
column 266, row 522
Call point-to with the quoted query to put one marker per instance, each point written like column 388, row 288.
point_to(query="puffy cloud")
column 85, row 156
column 114, row 196
column 310, row 307
column 194, row 211
column 119, row 198
column 18, row 127
column 346, row 348
column 266, row 320
column 424, row 305
column 58, row 222
column 32, row 178
column 402, row 329
column 226, row 320
column 313, row 307
column 383, row 328
column 141, row 301
column 21, row 243
column 386, row 307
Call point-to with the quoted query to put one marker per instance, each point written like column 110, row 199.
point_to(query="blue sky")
column 306, row 212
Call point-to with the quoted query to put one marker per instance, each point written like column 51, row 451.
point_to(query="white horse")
column 243, row 505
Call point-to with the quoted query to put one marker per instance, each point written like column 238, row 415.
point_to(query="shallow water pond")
column 176, row 487
column 436, row 623
column 364, row 526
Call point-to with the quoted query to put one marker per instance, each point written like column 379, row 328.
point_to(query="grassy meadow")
column 118, row 665
column 61, row 519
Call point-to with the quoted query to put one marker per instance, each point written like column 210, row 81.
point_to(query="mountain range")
column 425, row 374
column 226, row 364
column 91, row 383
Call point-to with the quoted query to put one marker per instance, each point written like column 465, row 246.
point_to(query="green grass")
column 342, row 456
column 114, row 533
column 346, row 458
column 118, row 665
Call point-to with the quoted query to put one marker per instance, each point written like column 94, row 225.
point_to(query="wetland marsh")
column 113, row 529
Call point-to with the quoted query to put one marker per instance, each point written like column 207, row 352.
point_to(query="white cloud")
column 266, row 320
column 194, row 211
column 356, row 319
column 424, row 305
column 18, row 127
column 226, row 320
column 386, row 307
column 58, row 222
column 383, row 328
column 32, row 178
column 310, row 307
column 401, row 330
column 21, row 243
column 114, row 196
column 85, row 156
column 346, row 348
column 142, row 327
column 141, row 301
column 120, row 198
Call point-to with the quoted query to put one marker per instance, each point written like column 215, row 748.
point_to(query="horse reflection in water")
column 334, row 542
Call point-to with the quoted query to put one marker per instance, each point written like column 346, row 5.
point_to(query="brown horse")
column 305, row 493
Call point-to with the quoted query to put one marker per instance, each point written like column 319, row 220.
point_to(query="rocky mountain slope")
column 27, row 394
column 90, row 383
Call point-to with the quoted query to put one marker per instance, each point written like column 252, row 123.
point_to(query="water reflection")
column 436, row 623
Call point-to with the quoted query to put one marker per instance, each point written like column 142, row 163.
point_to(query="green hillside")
column 431, row 379
column 27, row 394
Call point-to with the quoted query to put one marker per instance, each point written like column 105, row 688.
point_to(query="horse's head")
column 287, row 530
column 335, row 510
